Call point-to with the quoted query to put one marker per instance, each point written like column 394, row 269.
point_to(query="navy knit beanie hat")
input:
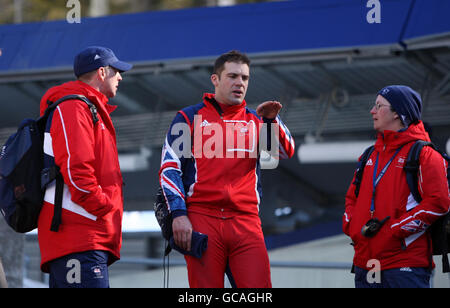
column 405, row 101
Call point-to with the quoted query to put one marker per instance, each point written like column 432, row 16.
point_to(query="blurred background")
column 325, row 60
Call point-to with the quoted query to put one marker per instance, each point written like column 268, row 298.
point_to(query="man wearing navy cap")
column 386, row 224
column 80, row 140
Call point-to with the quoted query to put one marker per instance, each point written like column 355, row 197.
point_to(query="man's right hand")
column 182, row 232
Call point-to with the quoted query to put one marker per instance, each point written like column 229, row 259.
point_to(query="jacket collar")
column 394, row 140
column 76, row 87
column 210, row 99
column 95, row 96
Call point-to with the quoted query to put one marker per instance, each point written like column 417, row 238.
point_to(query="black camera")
column 371, row 228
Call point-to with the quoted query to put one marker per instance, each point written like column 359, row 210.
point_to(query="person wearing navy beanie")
column 382, row 217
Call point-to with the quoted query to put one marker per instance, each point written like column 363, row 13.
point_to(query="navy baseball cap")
column 94, row 57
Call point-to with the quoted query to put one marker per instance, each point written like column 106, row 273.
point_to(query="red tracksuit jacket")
column 402, row 241
column 88, row 160
column 224, row 172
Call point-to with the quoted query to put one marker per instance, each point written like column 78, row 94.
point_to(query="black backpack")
column 23, row 176
column 440, row 229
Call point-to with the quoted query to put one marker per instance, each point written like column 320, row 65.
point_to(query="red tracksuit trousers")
column 235, row 241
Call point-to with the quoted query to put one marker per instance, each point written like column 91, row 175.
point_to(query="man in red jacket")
column 89, row 237
column 400, row 246
column 217, row 190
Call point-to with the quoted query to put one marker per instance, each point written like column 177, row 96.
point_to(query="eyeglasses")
column 378, row 106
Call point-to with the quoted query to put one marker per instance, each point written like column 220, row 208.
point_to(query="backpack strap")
column 360, row 168
column 54, row 173
column 412, row 167
column 83, row 98
column 57, row 211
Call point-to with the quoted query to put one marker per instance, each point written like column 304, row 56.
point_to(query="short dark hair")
column 231, row 56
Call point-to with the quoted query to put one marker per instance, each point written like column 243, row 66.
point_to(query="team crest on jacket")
column 401, row 161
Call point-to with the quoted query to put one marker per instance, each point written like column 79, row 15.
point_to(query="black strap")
column 445, row 264
column 360, row 169
column 57, row 211
column 268, row 122
column 412, row 165
column 168, row 249
column 92, row 107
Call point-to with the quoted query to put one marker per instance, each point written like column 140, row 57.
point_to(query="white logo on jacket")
column 205, row 123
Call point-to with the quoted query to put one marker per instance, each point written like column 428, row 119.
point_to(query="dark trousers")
column 88, row 269
column 405, row 277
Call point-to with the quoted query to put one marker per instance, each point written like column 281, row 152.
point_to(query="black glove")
column 373, row 226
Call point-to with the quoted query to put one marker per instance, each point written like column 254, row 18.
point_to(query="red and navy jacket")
column 403, row 240
column 86, row 154
column 210, row 158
